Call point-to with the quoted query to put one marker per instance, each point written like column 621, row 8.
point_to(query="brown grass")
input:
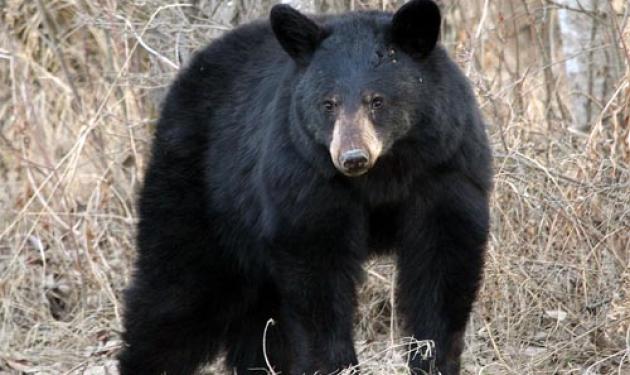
column 78, row 86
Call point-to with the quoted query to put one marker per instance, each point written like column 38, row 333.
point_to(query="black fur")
column 243, row 216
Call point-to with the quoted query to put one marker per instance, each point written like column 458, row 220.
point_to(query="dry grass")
column 78, row 85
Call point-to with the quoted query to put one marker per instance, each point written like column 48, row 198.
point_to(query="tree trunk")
column 589, row 47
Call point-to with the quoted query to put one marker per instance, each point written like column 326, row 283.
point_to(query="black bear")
column 286, row 154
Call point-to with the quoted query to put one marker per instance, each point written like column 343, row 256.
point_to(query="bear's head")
column 358, row 78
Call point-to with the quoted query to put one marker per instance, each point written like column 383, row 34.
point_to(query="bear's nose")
column 354, row 162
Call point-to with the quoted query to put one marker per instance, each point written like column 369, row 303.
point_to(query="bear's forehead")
column 356, row 34
column 354, row 45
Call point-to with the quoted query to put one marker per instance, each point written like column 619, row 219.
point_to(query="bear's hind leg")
column 165, row 334
column 247, row 336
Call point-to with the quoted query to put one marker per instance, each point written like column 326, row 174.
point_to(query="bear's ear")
column 298, row 35
column 416, row 27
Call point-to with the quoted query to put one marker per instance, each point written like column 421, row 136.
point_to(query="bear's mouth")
column 355, row 174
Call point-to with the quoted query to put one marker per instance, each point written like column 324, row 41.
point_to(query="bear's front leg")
column 317, row 282
column 440, row 268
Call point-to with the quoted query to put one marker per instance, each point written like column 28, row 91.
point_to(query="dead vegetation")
column 79, row 82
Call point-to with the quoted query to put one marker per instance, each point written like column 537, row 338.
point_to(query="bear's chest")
column 383, row 227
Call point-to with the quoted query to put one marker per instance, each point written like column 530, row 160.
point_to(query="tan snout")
column 355, row 145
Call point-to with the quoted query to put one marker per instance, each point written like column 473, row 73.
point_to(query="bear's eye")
column 377, row 102
column 329, row 105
